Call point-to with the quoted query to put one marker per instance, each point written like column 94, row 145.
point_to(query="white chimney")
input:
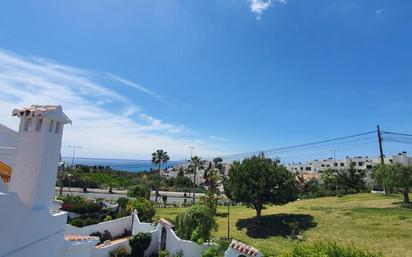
column 37, row 154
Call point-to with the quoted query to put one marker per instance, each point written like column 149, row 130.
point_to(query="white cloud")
column 134, row 85
column 258, row 7
column 222, row 139
column 105, row 123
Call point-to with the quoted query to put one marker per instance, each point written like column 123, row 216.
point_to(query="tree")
column 196, row 224
column 139, row 244
column 404, row 180
column 218, row 164
column 144, row 207
column 258, row 181
column 330, row 181
column 195, row 162
column 158, row 158
column 141, row 191
column 351, row 180
column 211, row 198
column 181, row 172
column 385, row 176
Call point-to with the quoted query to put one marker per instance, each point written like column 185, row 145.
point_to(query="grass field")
column 371, row 222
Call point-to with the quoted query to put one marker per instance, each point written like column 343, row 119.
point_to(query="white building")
column 28, row 227
column 359, row 162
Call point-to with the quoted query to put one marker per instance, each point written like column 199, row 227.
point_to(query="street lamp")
column 70, row 179
column 74, row 147
column 228, row 214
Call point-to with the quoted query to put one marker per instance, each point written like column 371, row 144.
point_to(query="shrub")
column 196, row 224
column 328, row 249
column 163, row 253
column 217, row 250
column 119, row 252
column 179, row 253
column 144, row 207
column 122, row 202
column 79, row 222
column 106, row 236
column 139, row 191
column 139, row 243
column 78, row 204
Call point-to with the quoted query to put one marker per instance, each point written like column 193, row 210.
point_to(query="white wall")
column 8, row 142
column 115, row 227
column 25, row 232
column 104, row 251
column 174, row 243
column 77, row 248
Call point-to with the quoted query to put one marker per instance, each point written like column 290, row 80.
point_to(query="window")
column 38, row 124
column 51, row 125
column 335, row 164
column 308, row 168
column 26, row 124
column 360, row 163
column 353, row 163
column 369, row 166
column 58, row 127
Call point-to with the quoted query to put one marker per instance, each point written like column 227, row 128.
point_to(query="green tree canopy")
column 144, row 208
column 257, row 181
column 196, row 224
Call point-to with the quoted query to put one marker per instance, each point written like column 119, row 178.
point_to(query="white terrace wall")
column 115, row 227
column 174, row 244
column 105, row 250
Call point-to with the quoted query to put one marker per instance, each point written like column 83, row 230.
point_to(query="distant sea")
column 119, row 164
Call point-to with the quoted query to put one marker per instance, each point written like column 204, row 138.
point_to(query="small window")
column 353, row 163
column 342, row 164
column 58, row 127
column 26, row 125
column 51, row 125
column 360, row 163
column 38, row 124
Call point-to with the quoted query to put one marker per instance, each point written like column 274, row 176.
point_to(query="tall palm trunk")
column 157, row 187
column 194, row 184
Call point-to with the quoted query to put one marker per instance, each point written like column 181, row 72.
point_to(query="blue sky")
column 224, row 76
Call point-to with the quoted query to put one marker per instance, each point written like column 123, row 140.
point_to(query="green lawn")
column 370, row 222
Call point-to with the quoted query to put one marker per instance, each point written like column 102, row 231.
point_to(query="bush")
column 144, row 207
column 79, row 222
column 321, row 249
column 163, row 253
column 196, row 224
column 139, row 243
column 217, row 250
column 119, row 252
column 78, row 204
column 139, row 191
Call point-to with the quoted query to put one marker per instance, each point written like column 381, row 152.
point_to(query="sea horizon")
column 130, row 165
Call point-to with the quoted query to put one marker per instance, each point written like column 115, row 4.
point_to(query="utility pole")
column 380, row 145
column 61, row 167
column 74, row 151
column 336, row 170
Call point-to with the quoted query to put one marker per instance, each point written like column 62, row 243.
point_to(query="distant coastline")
column 119, row 164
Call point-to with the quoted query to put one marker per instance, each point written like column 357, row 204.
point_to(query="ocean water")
column 119, row 164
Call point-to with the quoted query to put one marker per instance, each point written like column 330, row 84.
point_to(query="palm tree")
column 194, row 163
column 158, row 158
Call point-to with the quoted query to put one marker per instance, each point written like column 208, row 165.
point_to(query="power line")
column 292, row 147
